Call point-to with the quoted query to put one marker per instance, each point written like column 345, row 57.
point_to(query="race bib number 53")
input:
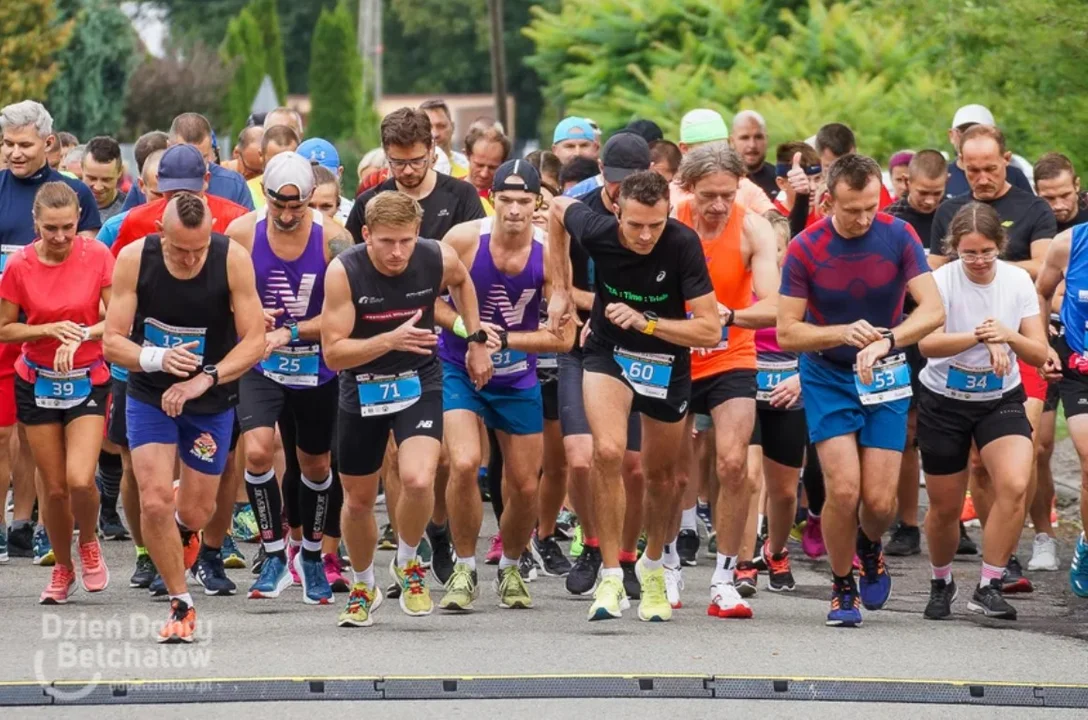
column 891, row 381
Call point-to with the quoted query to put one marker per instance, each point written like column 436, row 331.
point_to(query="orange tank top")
column 733, row 288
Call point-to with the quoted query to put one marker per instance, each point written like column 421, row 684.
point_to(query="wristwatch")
column 651, row 322
column 887, row 335
column 732, row 317
column 480, row 336
column 503, row 339
column 212, row 371
column 292, row 326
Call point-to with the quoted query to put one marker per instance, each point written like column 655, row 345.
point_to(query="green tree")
column 196, row 78
column 267, row 16
column 242, row 50
column 336, row 97
column 30, row 39
column 87, row 97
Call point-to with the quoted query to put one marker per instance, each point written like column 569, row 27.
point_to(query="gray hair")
column 75, row 155
column 294, row 114
column 709, row 159
column 749, row 115
column 27, row 113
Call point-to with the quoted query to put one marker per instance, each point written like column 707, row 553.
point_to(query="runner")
column 1057, row 182
column 323, row 154
column 291, row 247
column 749, row 139
column 284, row 116
column 486, row 148
column 51, row 292
column 574, row 137
column 636, row 357
column 390, row 382
column 842, row 292
column 505, row 257
column 102, row 170
column 246, row 157
column 965, row 118
column 275, row 140
column 835, row 140
column 971, row 394
column 442, row 127
column 741, row 256
column 186, row 283
column 899, row 172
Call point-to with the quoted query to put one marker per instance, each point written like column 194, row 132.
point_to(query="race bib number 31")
column 387, row 394
column 647, row 373
column 295, row 366
column 891, row 381
column 509, row 362
column 973, row 383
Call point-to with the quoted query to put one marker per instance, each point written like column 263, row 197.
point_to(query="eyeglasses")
column 415, row 163
column 970, row 256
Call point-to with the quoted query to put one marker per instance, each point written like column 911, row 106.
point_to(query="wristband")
column 293, row 327
column 459, row 327
column 151, row 359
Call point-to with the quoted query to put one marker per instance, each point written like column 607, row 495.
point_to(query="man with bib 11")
column 841, row 302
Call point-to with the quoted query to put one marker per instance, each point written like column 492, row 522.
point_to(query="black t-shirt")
column 450, row 203
column 922, row 224
column 1079, row 219
column 1026, row 218
column 674, row 272
column 765, row 178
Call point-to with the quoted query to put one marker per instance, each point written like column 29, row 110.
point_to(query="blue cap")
column 320, row 151
column 573, row 128
column 182, row 167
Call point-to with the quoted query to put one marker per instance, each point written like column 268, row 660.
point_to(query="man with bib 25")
column 841, row 298
column 377, row 330
column 189, row 299
column 648, row 266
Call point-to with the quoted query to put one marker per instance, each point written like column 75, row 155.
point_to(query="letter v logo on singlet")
column 278, row 286
column 498, row 300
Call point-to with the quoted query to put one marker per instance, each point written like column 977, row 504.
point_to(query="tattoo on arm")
column 339, row 244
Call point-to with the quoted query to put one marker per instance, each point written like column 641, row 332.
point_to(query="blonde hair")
column 54, row 196
column 394, row 209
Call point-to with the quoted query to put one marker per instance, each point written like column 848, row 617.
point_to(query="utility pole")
column 498, row 62
column 369, row 39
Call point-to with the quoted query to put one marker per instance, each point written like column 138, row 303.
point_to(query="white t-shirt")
column 1009, row 298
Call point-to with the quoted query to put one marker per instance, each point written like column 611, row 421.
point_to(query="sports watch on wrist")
column 480, row 337
column 212, row 371
column 651, row 322
column 504, row 338
column 732, row 317
column 292, row 327
column 890, row 337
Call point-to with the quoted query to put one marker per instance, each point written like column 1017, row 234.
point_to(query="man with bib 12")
column 841, row 303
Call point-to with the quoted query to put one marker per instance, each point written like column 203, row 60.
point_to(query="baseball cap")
column 647, row 129
column 624, row 153
column 573, row 128
column 289, row 168
column 972, row 115
column 320, row 151
column 529, row 177
column 703, row 125
column 182, row 167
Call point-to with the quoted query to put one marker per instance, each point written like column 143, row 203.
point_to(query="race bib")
column 387, row 394
column 891, row 381
column 159, row 334
column 770, row 374
column 648, row 374
column 973, row 383
column 547, row 361
column 7, row 251
column 61, row 391
column 509, row 362
column 295, row 366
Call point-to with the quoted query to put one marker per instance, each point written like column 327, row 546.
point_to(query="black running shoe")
column 687, row 545
column 989, row 601
column 441, row 551
column 258, row 560
column 110, row 525
column 549, row 557
column 21, row 541
column 967, row 546
column 631, row 585
column 526, row 567
column 145, row 572
column 905, row 540
column 582, row 577
column 779, row 572
column 1013, row 580
column 942, row 593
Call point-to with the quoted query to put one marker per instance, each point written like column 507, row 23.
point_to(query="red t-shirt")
column 51, row 293
column 140, row 221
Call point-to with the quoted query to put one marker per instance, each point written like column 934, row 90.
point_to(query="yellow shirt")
column 256, row 190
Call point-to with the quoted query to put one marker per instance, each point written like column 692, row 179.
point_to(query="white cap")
column 973, row 114
column 289, row 168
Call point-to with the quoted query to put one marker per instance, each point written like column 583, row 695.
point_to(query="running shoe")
column 797, row 532
column 726, row 602
column 274, row 579
column 609, row 599
column 494, row 550
column 293, row 552
column 512, row 591
column 582, row 577
column 1078, row 569
column 674, row 583
column 812, row 538
column 905, row 540
column 61, row 584
column 21, row 541
column 363, row 600
column 209, row 572
column 1013, row 580
column 702, row 511
column 180, row 623
column 564, row 523
column 640, row 546
column 423, row 551
column 989, row 602
column 845, row 610
column 3, row 540
column 481, row 483
column 334, row 573
column 746, row 579
column 1044, row 554
column 654, row 605
column 631, row 585
column 527, row 566
column 441, row 551
column 110, row 525
column 968, row 514
column 712, row 546
column 93, row 573
column 43, row 550
column 388, row 539
column 757, row 551
column 967, row 546
column 315, row 586
column 942, row 593
column 145, row 572
column 576, row 542
column 230, row 554
column 779, row 572
column 244, row 524
column 462, row 589
column 258, row 560
column 415, row 597
column 874, row 582
column 157, row 588
column 549, row 556
column 190, row 550
column 687, row 545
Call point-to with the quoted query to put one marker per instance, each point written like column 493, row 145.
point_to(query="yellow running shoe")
column 415, row 598
column 609, row 599
column 461, row 589
column 362, row 602
column 511, row 589
column 653, row 604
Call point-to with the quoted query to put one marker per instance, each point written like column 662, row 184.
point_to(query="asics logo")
column 661, row 276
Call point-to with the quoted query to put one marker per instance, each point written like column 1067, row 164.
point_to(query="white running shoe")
column 674, row 583
column 1044, row 553
column 726, row 602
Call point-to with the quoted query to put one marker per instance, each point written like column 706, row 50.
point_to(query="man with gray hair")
column 284, row 116
column 749, row 139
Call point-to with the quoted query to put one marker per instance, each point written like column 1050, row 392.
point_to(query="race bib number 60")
column 648, row 374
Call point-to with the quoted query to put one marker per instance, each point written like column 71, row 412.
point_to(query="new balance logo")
column 279, row 287
column 497, row 299
column 425, row 424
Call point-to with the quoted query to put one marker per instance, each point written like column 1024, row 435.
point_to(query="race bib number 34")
column 891, row 381
column 648, row 374
column 387, row 394
column 973, row 383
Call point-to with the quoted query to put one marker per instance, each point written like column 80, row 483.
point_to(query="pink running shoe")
column 333, row 573
column 494, row 553
column 293, row 550
column 812, row 538
column 60, row 586
column 94, row 575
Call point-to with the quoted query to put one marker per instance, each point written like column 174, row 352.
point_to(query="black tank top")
column 382, row 303
column 170, row 312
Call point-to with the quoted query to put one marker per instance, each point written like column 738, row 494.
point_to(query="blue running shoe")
column 230, row 554
column 274, row 579
column 209, row 572
column 844, row 606
column 315, row 584
column 874, row 581
column 157, row 588
column 43, row 550
column 1078, row 571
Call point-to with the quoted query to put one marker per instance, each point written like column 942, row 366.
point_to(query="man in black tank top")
column 377, row 330
column 187, row 323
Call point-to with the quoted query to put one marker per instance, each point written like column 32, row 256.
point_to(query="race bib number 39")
column 387, row 394
column 61, row 391
column 891, row 381
column 973, row 383
column 770, row 374
column 160, row 334
column 648, row 374
column 295, row 366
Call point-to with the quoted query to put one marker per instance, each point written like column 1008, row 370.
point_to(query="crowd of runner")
column 613, row 343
